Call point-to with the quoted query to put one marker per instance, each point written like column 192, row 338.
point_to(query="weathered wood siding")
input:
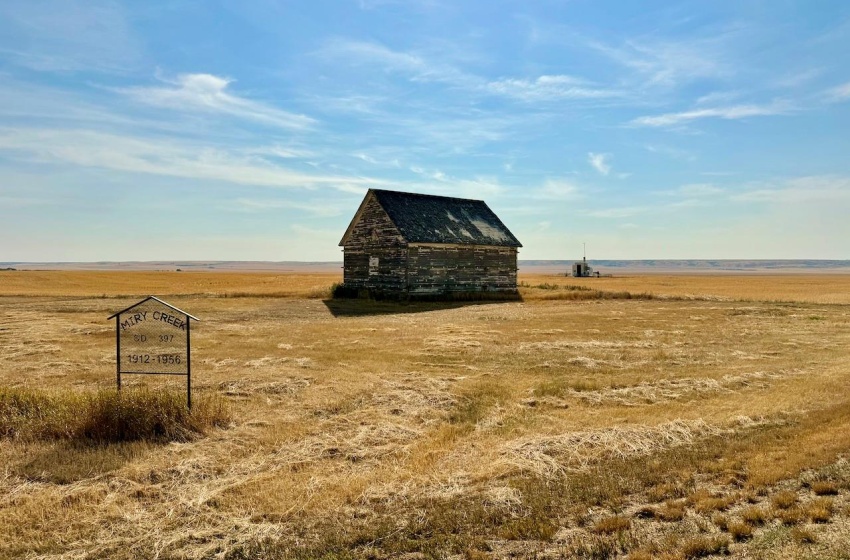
column 440, row 269
column 378, row 258
column 375, row 237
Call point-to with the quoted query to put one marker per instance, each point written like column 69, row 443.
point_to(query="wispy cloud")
column 815, row 188
column 478, row 187
column 172, row 158
column 599, row 163
column 669, row 63
column 207, row 93
column 622, row 212
column 671, row 152
column 68, row 36
column 717, row 97
column 318, row 209
column 417, row 67
column 435, row 174
column 696, row 190
column 798, row 78
column 545, row 88
column 734, row 112
column 379, row 161
column 839, row 93
column 557, row 189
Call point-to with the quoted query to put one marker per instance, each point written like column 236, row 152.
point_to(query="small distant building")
column 410, row 244
column 581, row 269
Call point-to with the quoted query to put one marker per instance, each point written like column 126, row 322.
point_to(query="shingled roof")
column 425, row 218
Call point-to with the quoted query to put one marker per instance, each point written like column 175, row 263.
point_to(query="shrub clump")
column 784, row 499
column 704, row 545
column 754, row 515
column 824, row 488
column 740, row 530
column 820, row 510
column 614, row 524
column 108, row 416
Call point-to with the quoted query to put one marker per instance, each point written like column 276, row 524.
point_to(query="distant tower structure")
column 582, row 269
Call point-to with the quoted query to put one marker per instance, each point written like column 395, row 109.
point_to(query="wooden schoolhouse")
column 406, row 244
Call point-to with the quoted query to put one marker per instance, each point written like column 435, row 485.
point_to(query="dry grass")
column 613, row 524
column 802, row 535
column 754, row 515
column 108, row 416
column 820, row 510
column 670, row 511
column 115, row 284
column 791, row 516
column 702, row 545
column 810, row 288
column 740, row 531
column 366, row 429
column 824, row 488
column 784, row 499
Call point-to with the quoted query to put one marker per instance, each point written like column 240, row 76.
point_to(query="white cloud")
column 283, row 152
column 557, row 189
column 454, row 134
column 669, row 63
column 207, row 93
column 547, row 88
column 478, row 187
column 68, row 36
column 734, row 112
column 671, row 152
column 597, row 161
column 419, row 68
column 622, row 212
column 697, row 190
column 322, row 210
column 817, row 188
column 165, row 157
column 839, row 93
column 716, row 97
column 798, row 78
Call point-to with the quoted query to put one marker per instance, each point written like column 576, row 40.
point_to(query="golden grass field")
column 705, row 415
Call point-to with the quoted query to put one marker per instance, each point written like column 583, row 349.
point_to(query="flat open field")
column 641, row 417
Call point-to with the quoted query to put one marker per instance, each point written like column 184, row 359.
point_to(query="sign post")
column 152, row 337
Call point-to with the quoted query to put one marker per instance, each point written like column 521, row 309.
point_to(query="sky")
column 252, row 129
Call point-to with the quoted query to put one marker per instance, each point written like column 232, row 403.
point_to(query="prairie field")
column 629, row 417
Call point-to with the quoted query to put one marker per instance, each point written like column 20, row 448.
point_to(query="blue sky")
column 250, row 130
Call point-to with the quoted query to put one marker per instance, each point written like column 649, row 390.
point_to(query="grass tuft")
column 824, row 488
column 740, row 531
column 721, row 521
column 801, row 535
column 613, row 524
column 791, row 515
column 108, row 416
column 784, row 499
column 754, row 515
column 670, row 511
column 703, row 545
column 820, row 510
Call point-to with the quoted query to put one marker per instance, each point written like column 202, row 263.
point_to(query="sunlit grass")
column 670, row 426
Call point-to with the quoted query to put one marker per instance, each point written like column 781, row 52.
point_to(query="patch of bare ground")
column 597, row 428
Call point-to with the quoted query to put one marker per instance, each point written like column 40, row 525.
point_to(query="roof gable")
column 154, row 298
column 423, row 218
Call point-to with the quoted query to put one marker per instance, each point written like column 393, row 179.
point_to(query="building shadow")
column 365, row 307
